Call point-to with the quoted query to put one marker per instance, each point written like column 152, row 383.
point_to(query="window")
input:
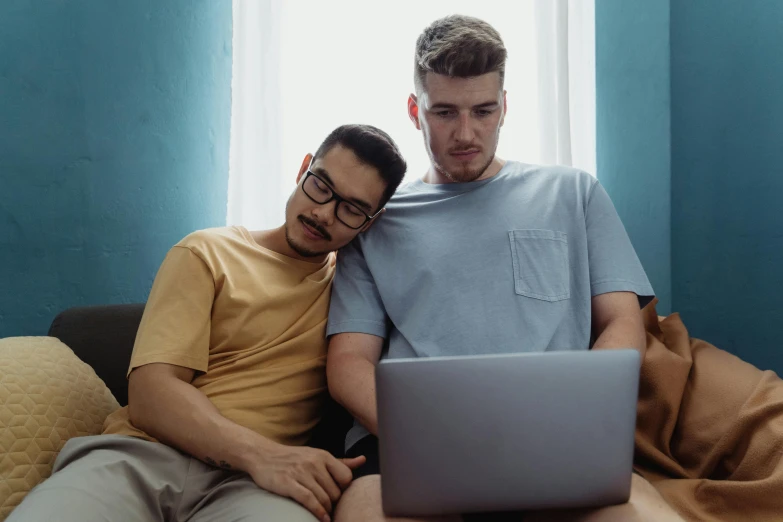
column 323, row 64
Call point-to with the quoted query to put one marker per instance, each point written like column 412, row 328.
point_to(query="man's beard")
column 302, row 250
column 464, row 175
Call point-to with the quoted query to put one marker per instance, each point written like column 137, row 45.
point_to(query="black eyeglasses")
column 346, row 212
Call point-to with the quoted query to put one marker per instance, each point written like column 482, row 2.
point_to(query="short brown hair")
column 373, row 147
column 461, row 47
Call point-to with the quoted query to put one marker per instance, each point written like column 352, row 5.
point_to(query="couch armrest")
column 103, row 337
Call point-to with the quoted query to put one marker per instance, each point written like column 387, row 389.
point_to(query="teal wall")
column 114, row 132
column 633, row 127
column 705, row 210
column 727, row 173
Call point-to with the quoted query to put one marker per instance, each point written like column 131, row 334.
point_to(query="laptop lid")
column 506, row 432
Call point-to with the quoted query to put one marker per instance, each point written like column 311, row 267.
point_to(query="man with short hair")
column 481, row 255
column 227, row 377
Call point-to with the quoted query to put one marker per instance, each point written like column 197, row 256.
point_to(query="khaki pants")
column 117, row 478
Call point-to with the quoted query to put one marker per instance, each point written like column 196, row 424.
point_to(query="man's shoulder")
column 558, row 176
column 212, row 245
column 210, row 237
column 557, row 186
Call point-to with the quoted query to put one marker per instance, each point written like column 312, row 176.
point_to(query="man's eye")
column 483, row 112
column 444, row 114
column 319, row 185
column 353, row 211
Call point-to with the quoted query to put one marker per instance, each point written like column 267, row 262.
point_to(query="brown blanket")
column 709, row 432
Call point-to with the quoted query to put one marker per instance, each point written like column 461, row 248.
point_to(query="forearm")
column 623, row 332
column 181, row 416
column 352, row 384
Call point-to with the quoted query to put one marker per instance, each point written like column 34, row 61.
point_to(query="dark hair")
column 461, row 47
column 373, row 147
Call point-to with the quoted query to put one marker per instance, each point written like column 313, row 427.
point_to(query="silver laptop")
column 506, row 432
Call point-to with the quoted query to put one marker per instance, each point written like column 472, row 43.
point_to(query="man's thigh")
column 107, row 478
column 239, row 498
column 645, row 505
column 362, row 501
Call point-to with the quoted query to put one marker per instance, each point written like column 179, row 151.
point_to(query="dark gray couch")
column 103, row 336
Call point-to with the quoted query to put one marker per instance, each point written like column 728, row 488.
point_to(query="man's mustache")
column 315, row 226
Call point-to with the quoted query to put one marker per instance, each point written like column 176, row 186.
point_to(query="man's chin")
column 301, row 249
column 304, row 251
column 467, row 176
column 467, row 172
column 463, row 174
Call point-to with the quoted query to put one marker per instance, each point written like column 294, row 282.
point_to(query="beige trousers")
column 124, row 479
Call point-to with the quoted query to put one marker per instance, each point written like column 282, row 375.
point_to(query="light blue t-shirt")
column 503, row 265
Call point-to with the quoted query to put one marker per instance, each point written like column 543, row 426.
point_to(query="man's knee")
column 87, row 486
column 362, row 501
column 63, row 504
column 645, row 505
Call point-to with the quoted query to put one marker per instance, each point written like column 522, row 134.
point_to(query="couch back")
column 103, row 337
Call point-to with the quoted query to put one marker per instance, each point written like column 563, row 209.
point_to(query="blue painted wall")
column 706, row 193
column 633, row 127
column 114, row 135
column 727, row 174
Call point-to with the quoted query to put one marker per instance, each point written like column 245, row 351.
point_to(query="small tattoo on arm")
column 223, row 464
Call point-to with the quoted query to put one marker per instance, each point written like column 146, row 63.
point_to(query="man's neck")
column 434, row 177
column 276, row 241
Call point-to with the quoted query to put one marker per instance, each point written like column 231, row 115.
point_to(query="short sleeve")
column 356, row 304
column 614, row 265
column 175, row 327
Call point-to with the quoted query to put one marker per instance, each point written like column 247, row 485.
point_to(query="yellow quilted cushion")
column 47, row 396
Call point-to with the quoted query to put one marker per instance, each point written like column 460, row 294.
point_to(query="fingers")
column 354, row 462
column 340, row 472
column 312, row 484
column 313, row 478
column 308, row 499
column 328, row 483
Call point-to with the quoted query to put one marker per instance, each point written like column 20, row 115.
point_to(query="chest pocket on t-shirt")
column 540, row 259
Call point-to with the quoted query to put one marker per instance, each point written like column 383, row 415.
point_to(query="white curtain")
column 255, row 178
column 304, row 67
column 565, row 33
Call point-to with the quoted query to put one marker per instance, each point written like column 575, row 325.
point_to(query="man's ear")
column 369, row 223
column 413, row 110
column 306, row 162
column 505, row 109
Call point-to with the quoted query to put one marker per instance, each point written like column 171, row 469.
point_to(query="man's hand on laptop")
column 311, row 477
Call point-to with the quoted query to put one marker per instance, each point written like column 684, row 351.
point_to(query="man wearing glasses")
column 349, row 213
column 227, row 377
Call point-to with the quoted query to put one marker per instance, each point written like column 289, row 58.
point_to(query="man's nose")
column 464, row 129
column 325, row 213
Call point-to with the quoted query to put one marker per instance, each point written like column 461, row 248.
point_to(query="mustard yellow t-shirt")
column 250, row 321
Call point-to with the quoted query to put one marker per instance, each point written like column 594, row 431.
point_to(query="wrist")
column 251, row 450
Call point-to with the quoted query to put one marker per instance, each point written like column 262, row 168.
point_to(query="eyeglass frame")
column 337, row 197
